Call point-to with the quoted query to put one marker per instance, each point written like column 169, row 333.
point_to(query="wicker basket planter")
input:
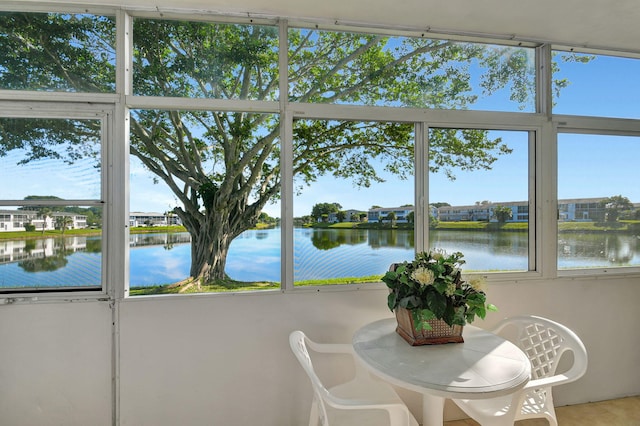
column 440, row 332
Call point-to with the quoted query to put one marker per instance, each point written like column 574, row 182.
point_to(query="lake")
column 318, row 254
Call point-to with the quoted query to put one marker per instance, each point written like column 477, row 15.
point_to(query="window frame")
column 115, row 185
column 592, row 126
column 71, row 110
column 536, row 124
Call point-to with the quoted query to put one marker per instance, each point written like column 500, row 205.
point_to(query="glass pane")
column 59, row 52
column 367, row 69
column 55, row 158
column 354, row 200
column 204, row 201
column 50, row 247
column 205, row 60
column 479, row 197
column 596, row 85
column 598, row 202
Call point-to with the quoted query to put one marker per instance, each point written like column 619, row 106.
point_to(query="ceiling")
column 596, row 24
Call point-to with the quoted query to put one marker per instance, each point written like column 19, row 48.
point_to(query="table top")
column 484, row 366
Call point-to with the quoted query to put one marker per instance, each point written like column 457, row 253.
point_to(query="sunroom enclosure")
column 273, row 116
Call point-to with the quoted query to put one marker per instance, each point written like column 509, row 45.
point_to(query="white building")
column 576, row 209
column 16, row 220
column 483, row 212
column 381, row 214
column 152, row 219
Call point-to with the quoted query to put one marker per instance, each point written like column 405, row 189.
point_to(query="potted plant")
column 431, row 300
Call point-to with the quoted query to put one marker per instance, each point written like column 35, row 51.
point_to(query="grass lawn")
column 231, row 285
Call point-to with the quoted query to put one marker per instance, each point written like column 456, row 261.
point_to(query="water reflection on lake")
column 51, row 262
column 318, row 254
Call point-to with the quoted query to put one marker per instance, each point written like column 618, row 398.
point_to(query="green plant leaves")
column 391, row 300
column 437, row 303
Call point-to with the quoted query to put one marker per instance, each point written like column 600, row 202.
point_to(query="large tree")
column 223, row 167
column 614, row 205
column 502, row 213
column 324, row 209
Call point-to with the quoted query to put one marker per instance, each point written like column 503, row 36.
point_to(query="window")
column 205, row 60
column 82, row 45
column 204, row 199
column 354, row 199
column 374, row 69
column 598, row 204
column 54, row 199
column 383, row 144
column 596, row 85
column 480, row 193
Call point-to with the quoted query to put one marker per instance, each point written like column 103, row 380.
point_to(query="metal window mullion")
column 547, row 201
column 286, row 164
column 118, row 198
column 544, row 80
column 543, row 172
column 117, row 181
column 421, row 179
column 534, row 194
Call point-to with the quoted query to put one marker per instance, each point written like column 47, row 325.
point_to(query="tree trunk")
column 209, row 248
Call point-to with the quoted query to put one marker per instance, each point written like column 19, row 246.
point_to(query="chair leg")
column 313, row 414
column 551, row 419
column 549, row 409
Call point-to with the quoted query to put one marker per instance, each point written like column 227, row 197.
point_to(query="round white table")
column 484, row 366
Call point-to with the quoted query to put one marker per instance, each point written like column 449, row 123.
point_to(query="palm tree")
column 391, row 217
column 62, row 222
column 44, row 213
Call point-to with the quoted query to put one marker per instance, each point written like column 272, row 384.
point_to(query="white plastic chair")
column 361, row 401
column 544, row 341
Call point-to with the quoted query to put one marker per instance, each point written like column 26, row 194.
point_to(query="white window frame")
column 593, row 126
column 72, row 110
column 542, row 158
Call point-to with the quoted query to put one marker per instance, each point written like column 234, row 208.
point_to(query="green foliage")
column 321, row 210
column 431, row 287
column 411, row 217
column 502, row 213
column 614, row 206
column 61, row 52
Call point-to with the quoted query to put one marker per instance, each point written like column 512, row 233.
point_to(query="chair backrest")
column 545, row 341
column 298, row 342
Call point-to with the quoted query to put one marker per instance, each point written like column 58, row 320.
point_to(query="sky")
column 589, row 166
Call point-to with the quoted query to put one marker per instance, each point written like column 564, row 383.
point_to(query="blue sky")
column 590, row 166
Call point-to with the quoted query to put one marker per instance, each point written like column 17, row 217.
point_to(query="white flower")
column 423, row 276
column 477, row 283
column 451, row 289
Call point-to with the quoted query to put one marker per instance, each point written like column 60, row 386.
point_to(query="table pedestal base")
column 432, row 410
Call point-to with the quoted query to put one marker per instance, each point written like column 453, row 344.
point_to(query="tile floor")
column 616, row 412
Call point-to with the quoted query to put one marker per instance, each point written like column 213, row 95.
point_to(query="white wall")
column 55, row 364
column 225, row 360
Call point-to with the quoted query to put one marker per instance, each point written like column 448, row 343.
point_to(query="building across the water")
column 153, row 219
column 575, row 209
column 18, row 220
